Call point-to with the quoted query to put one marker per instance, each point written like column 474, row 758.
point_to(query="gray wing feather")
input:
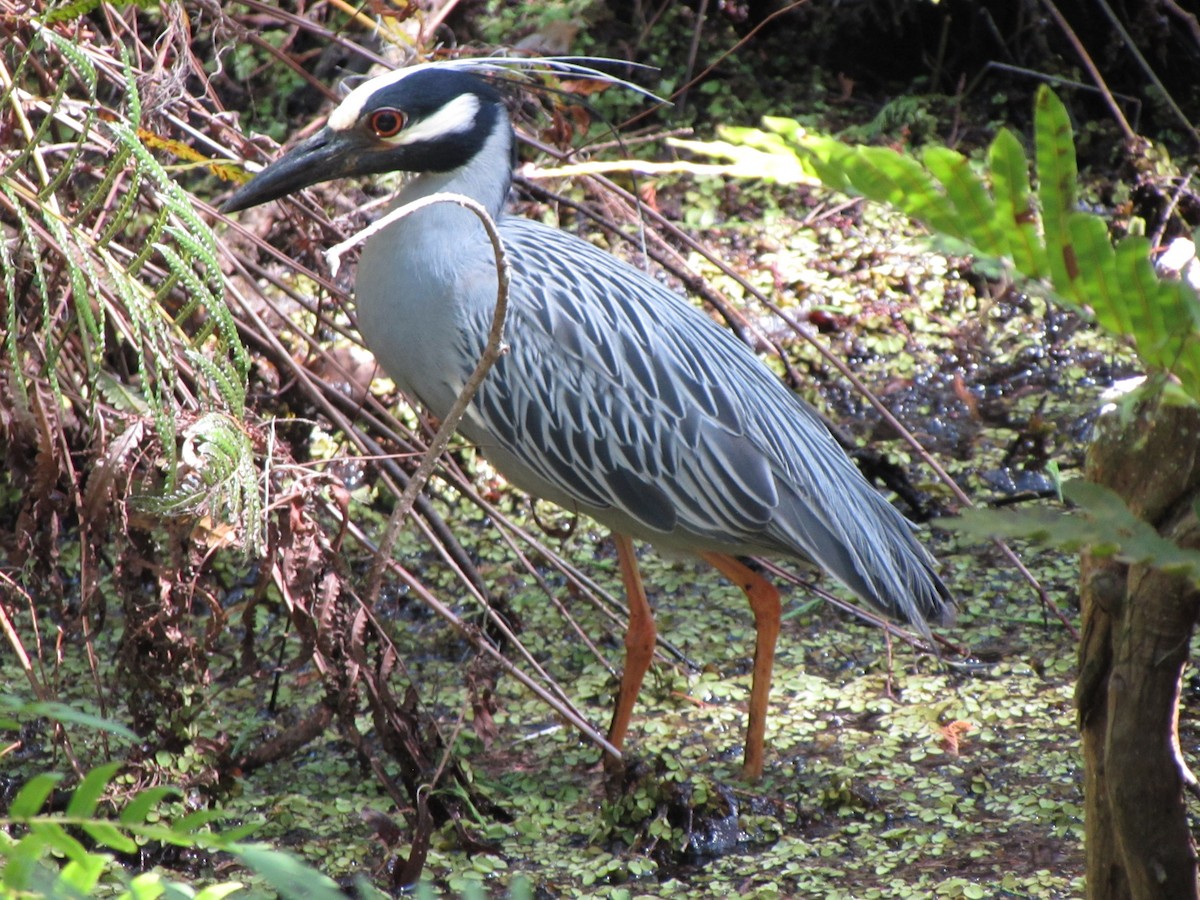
column 622, row 396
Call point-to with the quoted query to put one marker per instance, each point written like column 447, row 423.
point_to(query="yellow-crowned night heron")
column 617, row 398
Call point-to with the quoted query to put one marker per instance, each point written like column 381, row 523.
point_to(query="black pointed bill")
column 326, row 155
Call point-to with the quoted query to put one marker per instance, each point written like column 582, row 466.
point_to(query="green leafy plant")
column 71, row 850
column 1037, row 234
column 1039, row 237
column 1100, row 522
column 160, row 299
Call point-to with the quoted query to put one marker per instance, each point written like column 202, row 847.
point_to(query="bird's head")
column 423, row 119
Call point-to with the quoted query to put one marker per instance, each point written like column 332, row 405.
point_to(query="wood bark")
column 1137, row 625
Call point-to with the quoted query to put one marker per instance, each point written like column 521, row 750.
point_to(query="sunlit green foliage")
column 1038, row 234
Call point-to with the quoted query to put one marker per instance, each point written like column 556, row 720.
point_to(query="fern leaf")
column 137, row 810
column 1057, row 174
column 289, row 876
column 975, row 211
column 1102, row 523
column 90, row 790
column 69, row 12
column 219, row 891
column 1096, row 283
column 25, row 869
column 54, row 834
column 62, row 712
column 1015, row 214
column 84, row 69
column 195, row 821
column 32, row 796
column 108, row 835
column 82, row 875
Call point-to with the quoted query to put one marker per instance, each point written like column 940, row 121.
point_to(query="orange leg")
column 764, row 600
column 639, row 640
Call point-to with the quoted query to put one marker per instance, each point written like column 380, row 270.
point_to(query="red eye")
column 387, row 122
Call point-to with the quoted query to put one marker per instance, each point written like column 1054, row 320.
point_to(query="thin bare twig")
column 749, row 36
column 1165, row 219
column 1090, row 65
column 1189, row 19
column 564, row 709
column 1148, row 70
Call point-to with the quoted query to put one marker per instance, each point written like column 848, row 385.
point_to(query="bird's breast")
column 414, row 286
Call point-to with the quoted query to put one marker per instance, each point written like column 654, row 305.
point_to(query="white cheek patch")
column 346, row 115
column 348, row 111
column 455, row 117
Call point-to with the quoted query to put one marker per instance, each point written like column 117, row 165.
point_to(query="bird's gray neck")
column 423, row 276
column 485, row 178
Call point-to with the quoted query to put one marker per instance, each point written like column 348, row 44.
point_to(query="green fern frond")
column 69, row 12
column 1015, row 216
column 34, row 863
column 134, row 260
column 219, row 480
column 1057, row 173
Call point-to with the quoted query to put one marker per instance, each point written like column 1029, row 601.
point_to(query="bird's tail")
column 877, row 556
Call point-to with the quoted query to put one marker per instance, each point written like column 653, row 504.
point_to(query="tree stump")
column 1137, row 627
